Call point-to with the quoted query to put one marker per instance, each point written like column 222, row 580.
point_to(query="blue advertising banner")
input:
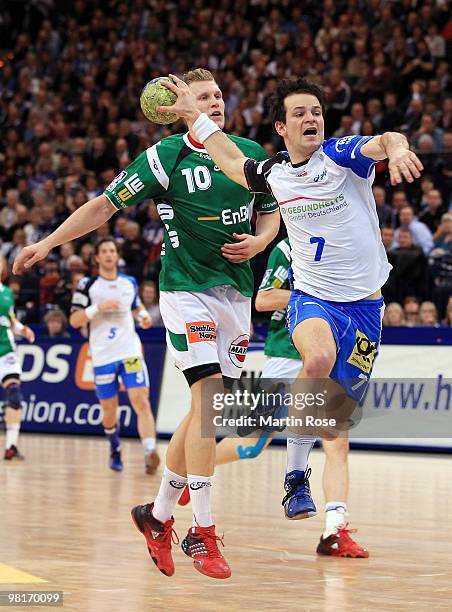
column 58, row 386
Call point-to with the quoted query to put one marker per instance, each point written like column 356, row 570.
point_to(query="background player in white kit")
column 339, row 263
column 108, row 303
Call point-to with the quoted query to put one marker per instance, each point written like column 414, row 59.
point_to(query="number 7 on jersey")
column 320, row 242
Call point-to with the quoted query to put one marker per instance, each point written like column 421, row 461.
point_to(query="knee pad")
column 13, row 396
column 251, row 452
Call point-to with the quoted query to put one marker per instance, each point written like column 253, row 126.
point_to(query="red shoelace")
column 210, row 539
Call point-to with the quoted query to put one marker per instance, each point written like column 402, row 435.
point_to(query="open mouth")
column 216, row 114
column 311, row 131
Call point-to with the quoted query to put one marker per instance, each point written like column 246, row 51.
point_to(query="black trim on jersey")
column 302, row 163
column 183, row 153
column 85, row 290
column 256, row 172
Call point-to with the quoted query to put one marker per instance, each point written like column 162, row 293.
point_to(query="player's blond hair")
column 198, row 74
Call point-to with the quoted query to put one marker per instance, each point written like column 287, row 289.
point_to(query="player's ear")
column 280, row 128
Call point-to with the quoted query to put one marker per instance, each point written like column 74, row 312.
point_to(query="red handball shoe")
column 158, row 537
column 185, row 497
column 13, row 453
column 340, row 544
column 201, row 545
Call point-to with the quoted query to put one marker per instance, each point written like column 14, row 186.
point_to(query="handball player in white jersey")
column 109, row 303
column 324, row 191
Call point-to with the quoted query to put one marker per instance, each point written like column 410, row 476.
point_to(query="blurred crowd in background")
column 70, row 78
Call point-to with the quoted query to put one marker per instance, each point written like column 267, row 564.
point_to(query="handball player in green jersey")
column 206, row 285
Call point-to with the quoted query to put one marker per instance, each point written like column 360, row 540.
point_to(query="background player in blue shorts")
column 339, row 263
column 109, row 302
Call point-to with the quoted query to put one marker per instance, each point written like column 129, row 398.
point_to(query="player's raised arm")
column 85, row 219
column 223, row 151
column 403, row 163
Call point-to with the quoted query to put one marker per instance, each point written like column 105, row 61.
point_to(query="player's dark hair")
column 287, row 87
column 102, row 241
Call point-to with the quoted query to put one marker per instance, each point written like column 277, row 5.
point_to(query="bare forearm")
column 391, row 140
column 403, row 164
column 85, row 219
column 267, row 226
column 381, row 147
column 227, row 156
column 272, row 299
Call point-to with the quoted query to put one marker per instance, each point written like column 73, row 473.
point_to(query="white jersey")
column 112, row 335
column 331, row 219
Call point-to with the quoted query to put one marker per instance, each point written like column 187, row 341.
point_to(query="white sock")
column 298, row 450
column 171, row 488
column 148, row 445
column 200, row 490
column 12, row 434
column 336, row 516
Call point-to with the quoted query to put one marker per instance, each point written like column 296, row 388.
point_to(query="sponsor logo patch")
column 133, row 365
column 363, row 353
column 238, row 349
column 131, row 187
column 118, row 178
column 320, row 176
column 343, row 141
column 201, row 331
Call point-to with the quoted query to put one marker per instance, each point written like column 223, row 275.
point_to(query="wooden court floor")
column 65, row 526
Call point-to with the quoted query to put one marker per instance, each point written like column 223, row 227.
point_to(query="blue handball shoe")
column 116, row 461
column 298, row 502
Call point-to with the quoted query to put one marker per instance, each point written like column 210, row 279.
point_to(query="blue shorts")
column 356, row 328
column 133, row 373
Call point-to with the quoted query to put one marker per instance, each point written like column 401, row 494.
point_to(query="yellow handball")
column 155, row 94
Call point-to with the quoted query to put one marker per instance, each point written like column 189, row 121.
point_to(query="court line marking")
column 11, row 575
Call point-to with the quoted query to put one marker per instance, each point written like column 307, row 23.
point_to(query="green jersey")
column 278, row 343
column 200, row 207
column 7, row 344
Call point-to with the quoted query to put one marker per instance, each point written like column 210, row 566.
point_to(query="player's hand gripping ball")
column 154, row 95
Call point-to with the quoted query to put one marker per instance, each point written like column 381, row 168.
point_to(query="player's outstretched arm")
column 223, row 151
column 403, row 163
column 85, row 219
